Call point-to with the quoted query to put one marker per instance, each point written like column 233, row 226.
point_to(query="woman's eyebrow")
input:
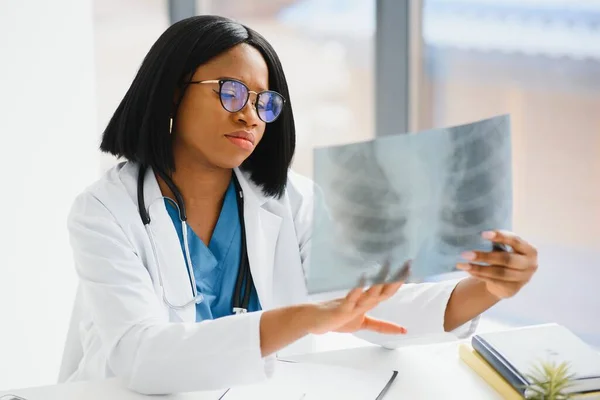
column 260, row 88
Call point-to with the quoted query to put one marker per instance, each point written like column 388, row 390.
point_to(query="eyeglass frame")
column 222, row 81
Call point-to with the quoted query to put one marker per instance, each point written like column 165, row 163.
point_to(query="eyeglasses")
column 234, row 96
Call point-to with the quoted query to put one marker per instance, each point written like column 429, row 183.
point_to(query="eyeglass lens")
column 234, row 96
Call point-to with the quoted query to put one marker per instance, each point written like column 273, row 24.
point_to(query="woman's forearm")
column 283, row 326
column 469, row 299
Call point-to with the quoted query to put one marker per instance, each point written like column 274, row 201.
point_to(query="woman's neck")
column 203, row 191
column 202, row 185
column 198, row 182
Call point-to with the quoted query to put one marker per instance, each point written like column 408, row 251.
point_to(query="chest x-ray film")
column 425, row 197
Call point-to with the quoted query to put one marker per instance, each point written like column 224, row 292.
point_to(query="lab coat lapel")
column 176, row 281
column 262, row 232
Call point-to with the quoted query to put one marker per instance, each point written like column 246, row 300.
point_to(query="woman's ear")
column 178, row 93
column 176, row 100
column 178, row 96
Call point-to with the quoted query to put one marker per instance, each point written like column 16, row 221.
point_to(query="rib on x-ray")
column 424, row 197
column 372, row 213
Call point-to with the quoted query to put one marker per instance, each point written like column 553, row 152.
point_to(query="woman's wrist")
column 283, row 326
column 307, row 317
column 301, row 318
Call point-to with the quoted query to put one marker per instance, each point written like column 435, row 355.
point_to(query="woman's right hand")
column 282, row 326
column 348, row 314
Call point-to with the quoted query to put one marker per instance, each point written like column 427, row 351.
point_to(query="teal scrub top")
column 216, row 265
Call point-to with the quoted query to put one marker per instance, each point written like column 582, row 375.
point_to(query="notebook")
column 514, row 353
column 308, row 381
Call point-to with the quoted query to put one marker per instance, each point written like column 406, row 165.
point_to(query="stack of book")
column 508, row 361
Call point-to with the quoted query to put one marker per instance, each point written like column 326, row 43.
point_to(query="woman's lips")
column 241, row 142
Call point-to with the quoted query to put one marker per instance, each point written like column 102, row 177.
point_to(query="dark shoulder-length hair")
column 139, row 129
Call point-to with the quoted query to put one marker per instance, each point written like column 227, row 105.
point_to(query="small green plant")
column 549, row 381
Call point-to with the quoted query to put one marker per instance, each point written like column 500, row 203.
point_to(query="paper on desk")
column 309, row 381
column 425, row 197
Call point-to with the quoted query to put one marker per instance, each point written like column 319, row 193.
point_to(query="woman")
column 205, row 221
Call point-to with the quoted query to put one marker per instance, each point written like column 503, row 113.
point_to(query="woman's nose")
column 248, row 114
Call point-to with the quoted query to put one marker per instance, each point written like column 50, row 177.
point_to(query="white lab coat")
column 121, row 326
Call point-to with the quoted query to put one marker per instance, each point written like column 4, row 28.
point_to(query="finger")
column 397, row 281
column 371, row 296
column 518, row 244
column 403, row 272
column 353, row 296
column 383, row 273
column 377, row 325
column 495, row 272
column 390, row 289
column 503, row 258
column 507, row 286
column 362, row 281
column 379, row 292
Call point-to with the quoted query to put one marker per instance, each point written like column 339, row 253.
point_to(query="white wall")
column 48, row 154
column 124, row 31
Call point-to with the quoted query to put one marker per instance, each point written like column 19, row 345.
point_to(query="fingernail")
column 488, row 235
column 464, row 267
column 404, row 331
column 468, row 255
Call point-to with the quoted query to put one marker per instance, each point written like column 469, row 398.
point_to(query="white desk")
column 425, row 372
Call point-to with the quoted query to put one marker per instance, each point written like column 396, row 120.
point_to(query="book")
column 471, row 358
column 514, row 353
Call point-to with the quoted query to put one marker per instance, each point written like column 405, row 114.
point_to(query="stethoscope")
column 239, row 302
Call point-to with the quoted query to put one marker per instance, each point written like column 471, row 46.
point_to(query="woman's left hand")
column 507, row 272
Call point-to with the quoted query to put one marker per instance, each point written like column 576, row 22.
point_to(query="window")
column 326, row 50
column 325, row 47
column 539, row 62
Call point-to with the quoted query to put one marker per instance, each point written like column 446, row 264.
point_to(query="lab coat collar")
column 176, row 282
column 250, row 189
column 262, row 232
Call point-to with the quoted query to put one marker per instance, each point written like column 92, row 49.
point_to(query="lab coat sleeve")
column 420, row 308
column 306, row 197
column 151, row 354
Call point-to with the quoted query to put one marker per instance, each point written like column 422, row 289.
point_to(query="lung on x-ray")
column 424, row 197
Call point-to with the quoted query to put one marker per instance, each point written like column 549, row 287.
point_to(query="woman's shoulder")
column 304, row 198
column 300, row 186
column 114, row 189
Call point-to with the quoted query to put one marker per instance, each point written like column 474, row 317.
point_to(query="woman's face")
column 206, row 132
